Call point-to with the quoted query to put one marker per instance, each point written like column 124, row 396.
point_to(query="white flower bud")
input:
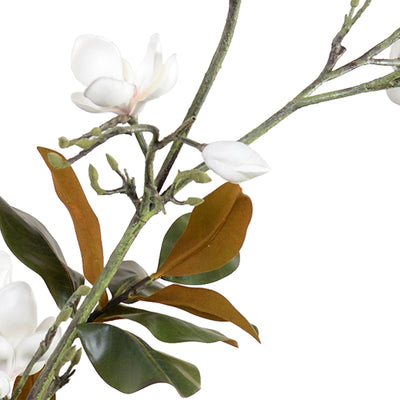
column 394, row 93
column 234, row 161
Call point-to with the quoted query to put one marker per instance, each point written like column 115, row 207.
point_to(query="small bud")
column 69, row 354
column 94, row 178
column 112, row 162
column 96, row 132
column 86, row 143
column 194, row 201
column 77, row 357
column 355, row 3
column 57, row 161
column 64, row 315
column 63, row 142
column 194, row 175
column 82, row 290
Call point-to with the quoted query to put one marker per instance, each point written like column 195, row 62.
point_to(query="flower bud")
column 82, row 290
column 94, row 178
column 112, row 162
column 63, row 142
column 194, row 201
column 234, row 161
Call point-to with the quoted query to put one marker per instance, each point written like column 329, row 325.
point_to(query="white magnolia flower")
column 394, row 94
column 19, row 334
column 234, row 161
column 111, row 84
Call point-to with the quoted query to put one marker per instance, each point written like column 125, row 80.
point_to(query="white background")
column 320, row 269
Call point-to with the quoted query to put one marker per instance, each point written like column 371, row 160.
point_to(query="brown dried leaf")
column 214, row 235
column 86, row 224
column 204, row 303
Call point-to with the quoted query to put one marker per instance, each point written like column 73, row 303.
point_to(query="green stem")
column 205, row 86
column 91, row 300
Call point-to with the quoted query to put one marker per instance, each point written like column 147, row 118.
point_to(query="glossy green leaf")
column 165, row 328
column 129, row 274
column 129, row 364
column 171, row 237
column 214, row 235
column 34, row 246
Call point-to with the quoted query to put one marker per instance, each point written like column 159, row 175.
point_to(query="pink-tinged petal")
column 136, row 108
column 394, row 95
column 151, row 64
column 109, row 92
column 164, row 81
column 18, row 316
column 6, row 356
column 5, row 269
column 84, row 103
column 94, row 57
column 5, row 385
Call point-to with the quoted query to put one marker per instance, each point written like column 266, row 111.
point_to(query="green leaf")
column 171, row 237
column 34, row 246
column 165, row 328
column 129, row 274
column 129, row 364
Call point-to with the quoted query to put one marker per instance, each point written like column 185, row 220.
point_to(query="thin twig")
column 205, row 86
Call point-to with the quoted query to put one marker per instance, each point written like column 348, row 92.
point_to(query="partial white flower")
column 19, row 334
column 234, row 161
column 111, row 84
column 394, row 93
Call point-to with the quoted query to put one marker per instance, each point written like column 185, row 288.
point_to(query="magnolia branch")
column 149, row 205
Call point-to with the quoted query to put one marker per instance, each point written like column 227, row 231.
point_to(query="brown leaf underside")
column 204, row 303
column 214, row 235
column 85, row 221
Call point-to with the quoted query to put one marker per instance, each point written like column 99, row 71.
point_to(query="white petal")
column 5, row 269
column 83, row 102
column 5, row 385
column 163, row 82
column 6, row 356
column 27, row 348
column 151, row 64
column 17, row 312
column 46, row 324
column 93, row 57
column 394, row 95
column 109, row 92
column 129, row 75
column 234, row 161
column 25, row 351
